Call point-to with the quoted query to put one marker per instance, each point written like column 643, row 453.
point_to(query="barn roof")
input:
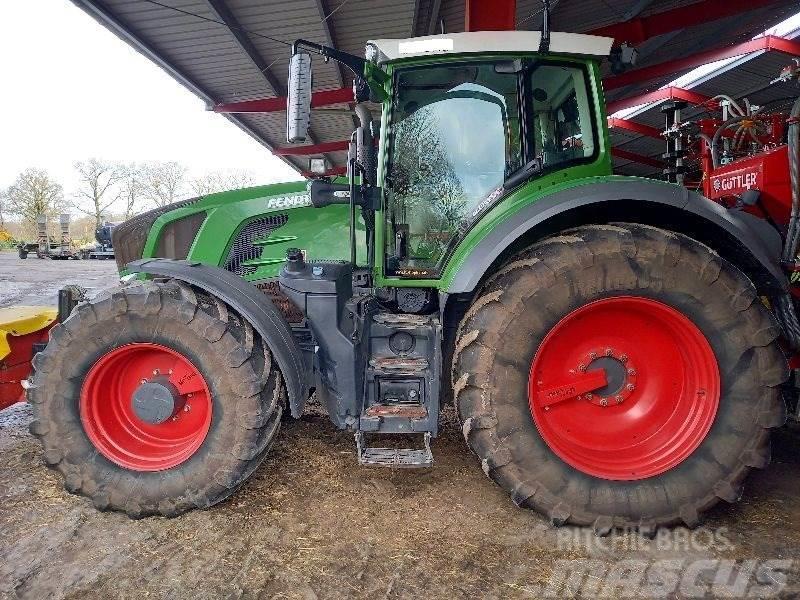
column 233, row 51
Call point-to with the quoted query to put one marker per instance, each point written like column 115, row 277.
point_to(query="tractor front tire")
column 689, row 372
column 154, row 399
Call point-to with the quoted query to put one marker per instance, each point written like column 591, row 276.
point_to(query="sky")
column 71, row 90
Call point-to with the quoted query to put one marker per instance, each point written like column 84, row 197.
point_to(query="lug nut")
column 589, row 396
column 581, row 367
column 630, row 387
column 593, row 355
column 186, row 408
column 155, row 371
column 604, row 402
column 624, row 358
column 618, row 398
column 609, row 352
column 143, row 381
column 631, row 371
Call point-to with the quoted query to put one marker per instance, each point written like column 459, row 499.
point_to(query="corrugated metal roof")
column 749, row 76
column 222, row 51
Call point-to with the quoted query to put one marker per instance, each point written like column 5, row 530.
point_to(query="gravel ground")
column 311, row 524
column 36, row 281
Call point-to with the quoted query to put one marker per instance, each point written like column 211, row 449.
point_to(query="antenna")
column 544, row 44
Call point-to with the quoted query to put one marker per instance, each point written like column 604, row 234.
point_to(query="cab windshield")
column 456, row 136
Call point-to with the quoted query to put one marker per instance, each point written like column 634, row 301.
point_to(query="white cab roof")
column 490, row 41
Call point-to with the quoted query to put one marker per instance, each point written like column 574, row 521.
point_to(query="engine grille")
column 243, row 249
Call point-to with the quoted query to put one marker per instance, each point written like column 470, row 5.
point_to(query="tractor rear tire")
column 679, row 432
column 225, row 392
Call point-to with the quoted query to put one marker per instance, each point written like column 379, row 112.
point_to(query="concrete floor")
column 311, row 524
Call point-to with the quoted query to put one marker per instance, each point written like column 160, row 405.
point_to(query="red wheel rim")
column 624, row 388
column 115, row 425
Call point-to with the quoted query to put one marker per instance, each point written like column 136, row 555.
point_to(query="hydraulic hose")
column 715, row 140
column 792, row 238
column 786, row 314
column 736, row 109
column 784, row 306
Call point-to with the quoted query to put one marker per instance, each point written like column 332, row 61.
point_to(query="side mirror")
column 324, row 193
column 298, row 104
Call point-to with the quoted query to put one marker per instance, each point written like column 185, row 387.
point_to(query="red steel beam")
column 667, row 93
column 766, row 43
column 313, row 149
column 639, row 158
column 639, row 128
column 490, row 15
column 265, row 105
column 636, row 31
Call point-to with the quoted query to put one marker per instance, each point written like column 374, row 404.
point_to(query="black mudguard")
column 249, row 302
column 756, row 242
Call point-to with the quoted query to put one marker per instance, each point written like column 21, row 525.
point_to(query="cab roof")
column 484, row 42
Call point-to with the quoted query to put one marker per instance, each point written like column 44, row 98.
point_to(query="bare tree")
column 34, row 194
column 221, row 181
column 163, row 182
column 133, row 190
column 3, row 203
column 99, row 187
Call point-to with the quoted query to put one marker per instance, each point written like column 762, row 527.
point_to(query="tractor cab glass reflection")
column 455, row 139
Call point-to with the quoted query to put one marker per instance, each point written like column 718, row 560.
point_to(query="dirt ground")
column 310, row 523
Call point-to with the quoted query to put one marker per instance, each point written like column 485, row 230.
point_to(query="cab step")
column 402, row 320
column 407, row 410
column 397, row 458
column 399, row 365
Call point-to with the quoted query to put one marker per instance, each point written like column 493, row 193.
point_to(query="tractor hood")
column 245, row 231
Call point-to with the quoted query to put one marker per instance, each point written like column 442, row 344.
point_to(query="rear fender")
column 750, row 243
column 252, row 305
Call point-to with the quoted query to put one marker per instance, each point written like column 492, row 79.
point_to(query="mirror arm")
column 355, row 63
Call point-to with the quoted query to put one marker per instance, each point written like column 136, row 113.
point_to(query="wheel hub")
column 620, row 375
column 156, row 401
column 145, row 407
column 624, row 388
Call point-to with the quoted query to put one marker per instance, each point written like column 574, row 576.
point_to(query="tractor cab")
column 466, row 119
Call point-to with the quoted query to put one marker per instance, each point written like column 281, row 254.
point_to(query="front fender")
column 252, row 305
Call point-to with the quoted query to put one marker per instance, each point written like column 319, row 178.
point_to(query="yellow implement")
column 22, row 329
column 22, row 320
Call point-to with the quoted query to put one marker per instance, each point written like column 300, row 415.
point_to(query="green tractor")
column 615, row 347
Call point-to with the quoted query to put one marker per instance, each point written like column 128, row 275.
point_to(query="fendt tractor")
column 617, row 348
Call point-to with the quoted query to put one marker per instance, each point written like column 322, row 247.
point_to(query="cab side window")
column 561, row 115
